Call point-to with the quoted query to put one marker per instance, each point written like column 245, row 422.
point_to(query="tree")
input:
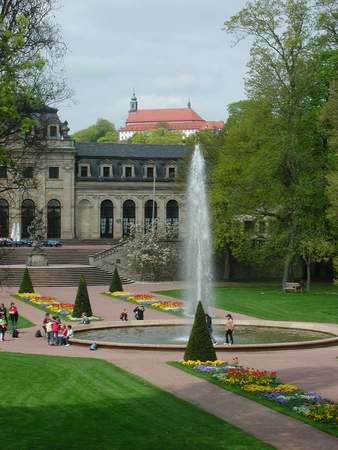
column 26, row 283
column 157, row 136
column 116, row 284
column 82, row 302
column 200, row 347
column 30, row 50
column 291, row 157
column 150, row 254
column 103, row 131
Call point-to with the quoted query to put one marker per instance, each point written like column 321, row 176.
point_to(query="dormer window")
column 84, row 170
column 106, row 171
column 53, row 131
column 128, row 171
column 149, row 171
column 172, row 172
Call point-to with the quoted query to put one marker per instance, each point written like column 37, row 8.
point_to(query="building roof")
column 131, row 151
column 163, row 115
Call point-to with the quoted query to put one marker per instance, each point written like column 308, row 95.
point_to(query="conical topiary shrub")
column 200, row 346
column 82, row 302
column 116, row 284
column 26, row 283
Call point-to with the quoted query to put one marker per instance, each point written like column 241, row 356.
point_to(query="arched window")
column 150, row 214
column 27, row 216
column 172, row 218
column 106, row 220
column 4, row 223
column 128, row 216
column 54, row 219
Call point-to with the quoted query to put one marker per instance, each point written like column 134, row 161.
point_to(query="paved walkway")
column 314, row 369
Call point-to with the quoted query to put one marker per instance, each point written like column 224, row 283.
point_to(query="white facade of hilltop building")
column 93, row 191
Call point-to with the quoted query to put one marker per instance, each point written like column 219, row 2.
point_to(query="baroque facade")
column 93, row 191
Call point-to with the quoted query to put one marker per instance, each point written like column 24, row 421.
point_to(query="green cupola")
column 133, row 103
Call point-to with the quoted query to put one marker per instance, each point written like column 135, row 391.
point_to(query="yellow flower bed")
column 29, row 294
column 197, row 362
column 260, row 388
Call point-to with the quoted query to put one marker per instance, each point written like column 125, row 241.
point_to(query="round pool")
column 179, row 334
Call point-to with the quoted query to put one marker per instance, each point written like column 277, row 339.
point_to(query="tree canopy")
column 102, row 131
column 159, row 135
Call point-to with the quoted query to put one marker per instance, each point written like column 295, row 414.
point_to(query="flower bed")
column 51, row 305
column 174, row 306
column 266, row 385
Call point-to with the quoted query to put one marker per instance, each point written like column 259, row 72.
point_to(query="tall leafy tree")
column 30, row 50
column 157, row 136
column 102, row 131
column 287, row 163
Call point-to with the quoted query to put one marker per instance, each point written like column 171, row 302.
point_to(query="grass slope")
column 267, row 301
column 77, row 403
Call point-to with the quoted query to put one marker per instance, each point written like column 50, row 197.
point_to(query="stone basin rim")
column 330, row 329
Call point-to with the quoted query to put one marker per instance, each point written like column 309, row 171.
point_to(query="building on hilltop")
column 183, row 120
column 93, row 191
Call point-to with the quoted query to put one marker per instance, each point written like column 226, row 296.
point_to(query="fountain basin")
column 169, row 335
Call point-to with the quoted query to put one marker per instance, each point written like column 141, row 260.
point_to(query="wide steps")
column 57, row 276
column 58, row 255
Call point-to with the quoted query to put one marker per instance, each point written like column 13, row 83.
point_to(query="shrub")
column 82, row 302
column 200, row 346
column 116, row 284
column 26, row 283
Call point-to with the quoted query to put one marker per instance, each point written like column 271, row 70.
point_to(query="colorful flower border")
column 264, row 385
column 149, row 300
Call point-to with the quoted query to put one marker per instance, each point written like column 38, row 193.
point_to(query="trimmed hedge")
column 26, row 283
column 82, row 302
column 200, row 345
column 116, row 284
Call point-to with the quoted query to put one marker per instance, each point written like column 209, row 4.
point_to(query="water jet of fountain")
column 197, row 255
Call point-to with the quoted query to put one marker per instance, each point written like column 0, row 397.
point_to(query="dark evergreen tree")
column 116, row 284
column 82, row 302
column 26, row 283
column 200, row 346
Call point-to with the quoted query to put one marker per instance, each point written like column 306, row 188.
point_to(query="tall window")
column 106, row 219
column 54, row 219
column 128, row 216
column 27, row 215
column 4, row 223
column 53, row 172
column 27, row 172
column 172, row 218
column 150, row 214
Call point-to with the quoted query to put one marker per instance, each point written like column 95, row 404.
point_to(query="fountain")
column 197, row 260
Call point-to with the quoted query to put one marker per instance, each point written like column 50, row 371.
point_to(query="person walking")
column 3, row 311
column 3, row 327
column 13, row 315
column 208, row 320
column 229, row 329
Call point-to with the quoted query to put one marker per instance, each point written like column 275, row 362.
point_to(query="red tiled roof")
column 170, row 126
column 163, row 115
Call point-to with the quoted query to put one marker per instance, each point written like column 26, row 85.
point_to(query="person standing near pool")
column 229, row 329
column 208, row 320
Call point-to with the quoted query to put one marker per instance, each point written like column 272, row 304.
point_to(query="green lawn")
column 77, row 403
column 267, row 301
column 22, row 323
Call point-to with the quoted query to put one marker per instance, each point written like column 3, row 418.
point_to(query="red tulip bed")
column 265, row 387
column 51, row 305
column 150, row 300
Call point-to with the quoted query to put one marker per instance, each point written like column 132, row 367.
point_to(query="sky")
column 165, row 51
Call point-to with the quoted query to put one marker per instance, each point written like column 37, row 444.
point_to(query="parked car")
column 6, row 242
column 51, row 243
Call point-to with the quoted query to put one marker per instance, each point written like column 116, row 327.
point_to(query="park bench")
column 292, row 287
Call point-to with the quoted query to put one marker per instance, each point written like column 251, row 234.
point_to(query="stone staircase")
column 65, row 266
column 57, row 276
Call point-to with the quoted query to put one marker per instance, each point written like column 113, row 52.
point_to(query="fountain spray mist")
column 197, row 261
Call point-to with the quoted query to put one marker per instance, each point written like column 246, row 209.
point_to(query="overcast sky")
column 165, row 50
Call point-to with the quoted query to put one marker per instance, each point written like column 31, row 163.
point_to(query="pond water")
column 179, row 334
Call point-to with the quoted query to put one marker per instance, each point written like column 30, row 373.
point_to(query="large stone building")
column 93, row 191
column 183, row 120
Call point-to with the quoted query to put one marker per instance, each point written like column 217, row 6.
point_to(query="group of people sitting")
column 138, row 313
column 12, row 315
column 56, row 332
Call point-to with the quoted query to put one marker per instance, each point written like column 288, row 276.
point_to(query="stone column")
column 118, row 218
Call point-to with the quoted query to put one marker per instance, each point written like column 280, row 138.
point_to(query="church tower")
column 133, row 103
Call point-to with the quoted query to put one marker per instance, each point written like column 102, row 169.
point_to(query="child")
column 124, row 315
column 84, row 319
column 3, row 327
